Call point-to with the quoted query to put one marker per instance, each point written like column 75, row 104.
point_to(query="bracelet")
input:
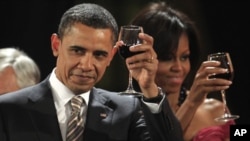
column 156, row 99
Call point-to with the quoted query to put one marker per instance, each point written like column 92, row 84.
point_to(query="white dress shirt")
column 62, row 96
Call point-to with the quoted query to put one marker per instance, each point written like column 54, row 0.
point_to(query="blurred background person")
column 176, row 42
column 17, row 70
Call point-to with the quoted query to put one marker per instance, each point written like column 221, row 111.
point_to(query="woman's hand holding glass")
column 226, row 63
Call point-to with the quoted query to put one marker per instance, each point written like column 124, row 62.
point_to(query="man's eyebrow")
column 77, row 47
column 102, row 52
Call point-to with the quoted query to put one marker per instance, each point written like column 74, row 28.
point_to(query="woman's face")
column 171, row 73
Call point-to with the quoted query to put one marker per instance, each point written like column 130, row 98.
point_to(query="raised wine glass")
column 129, row 34
column 226, row 62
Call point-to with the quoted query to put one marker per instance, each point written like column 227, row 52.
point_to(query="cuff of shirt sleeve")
column 154, row 104
column 154, row 107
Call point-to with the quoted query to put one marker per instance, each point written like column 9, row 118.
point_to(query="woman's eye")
column 185, row 57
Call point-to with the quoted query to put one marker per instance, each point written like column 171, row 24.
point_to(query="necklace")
column 182, row 97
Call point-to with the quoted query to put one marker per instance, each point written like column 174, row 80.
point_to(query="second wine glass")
column 226, row 63
column 129, row 34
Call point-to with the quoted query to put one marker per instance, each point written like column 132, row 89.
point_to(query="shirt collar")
column 61, row 93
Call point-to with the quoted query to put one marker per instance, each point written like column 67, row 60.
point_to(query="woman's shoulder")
column 204, row 118
column 216, row 132
column 212, row 108
column 212, row 103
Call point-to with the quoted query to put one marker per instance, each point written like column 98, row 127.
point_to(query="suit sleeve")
column 163, row 125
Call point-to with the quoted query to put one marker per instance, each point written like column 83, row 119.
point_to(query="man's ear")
column 55, row 43
column 113, row 52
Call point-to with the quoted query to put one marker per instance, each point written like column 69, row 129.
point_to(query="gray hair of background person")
column 27, row 71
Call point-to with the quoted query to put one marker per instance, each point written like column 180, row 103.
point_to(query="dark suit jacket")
column 30, row 115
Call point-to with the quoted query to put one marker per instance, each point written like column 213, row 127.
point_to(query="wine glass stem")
column 130, row 82
column 223, row 94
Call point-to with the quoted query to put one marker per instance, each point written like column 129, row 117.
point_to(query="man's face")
column 82, row 56
column 8, row 81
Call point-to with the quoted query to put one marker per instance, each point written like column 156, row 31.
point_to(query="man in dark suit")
column 84, row 49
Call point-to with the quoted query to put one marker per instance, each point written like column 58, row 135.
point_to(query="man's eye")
column 100, row 54
column 78, row 51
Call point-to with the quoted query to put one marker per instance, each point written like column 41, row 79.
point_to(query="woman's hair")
column 166, row 25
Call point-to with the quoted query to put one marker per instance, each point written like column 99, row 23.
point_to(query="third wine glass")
column 226, row 63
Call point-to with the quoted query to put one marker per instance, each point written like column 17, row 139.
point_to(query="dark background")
column 223, row 25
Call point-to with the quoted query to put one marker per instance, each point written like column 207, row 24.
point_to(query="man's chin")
column 80, row 90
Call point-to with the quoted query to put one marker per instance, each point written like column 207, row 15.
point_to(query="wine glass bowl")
column 225, row 62
column 129, row 35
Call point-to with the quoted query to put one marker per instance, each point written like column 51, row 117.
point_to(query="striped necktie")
column 76, row 121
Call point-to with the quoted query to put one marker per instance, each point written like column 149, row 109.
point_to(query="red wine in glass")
column 226, row 63
column 125, row 52
column 228, row 76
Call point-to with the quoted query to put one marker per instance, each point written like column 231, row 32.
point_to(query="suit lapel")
column 43, row 113
column 99, row 115
column 44, row 118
